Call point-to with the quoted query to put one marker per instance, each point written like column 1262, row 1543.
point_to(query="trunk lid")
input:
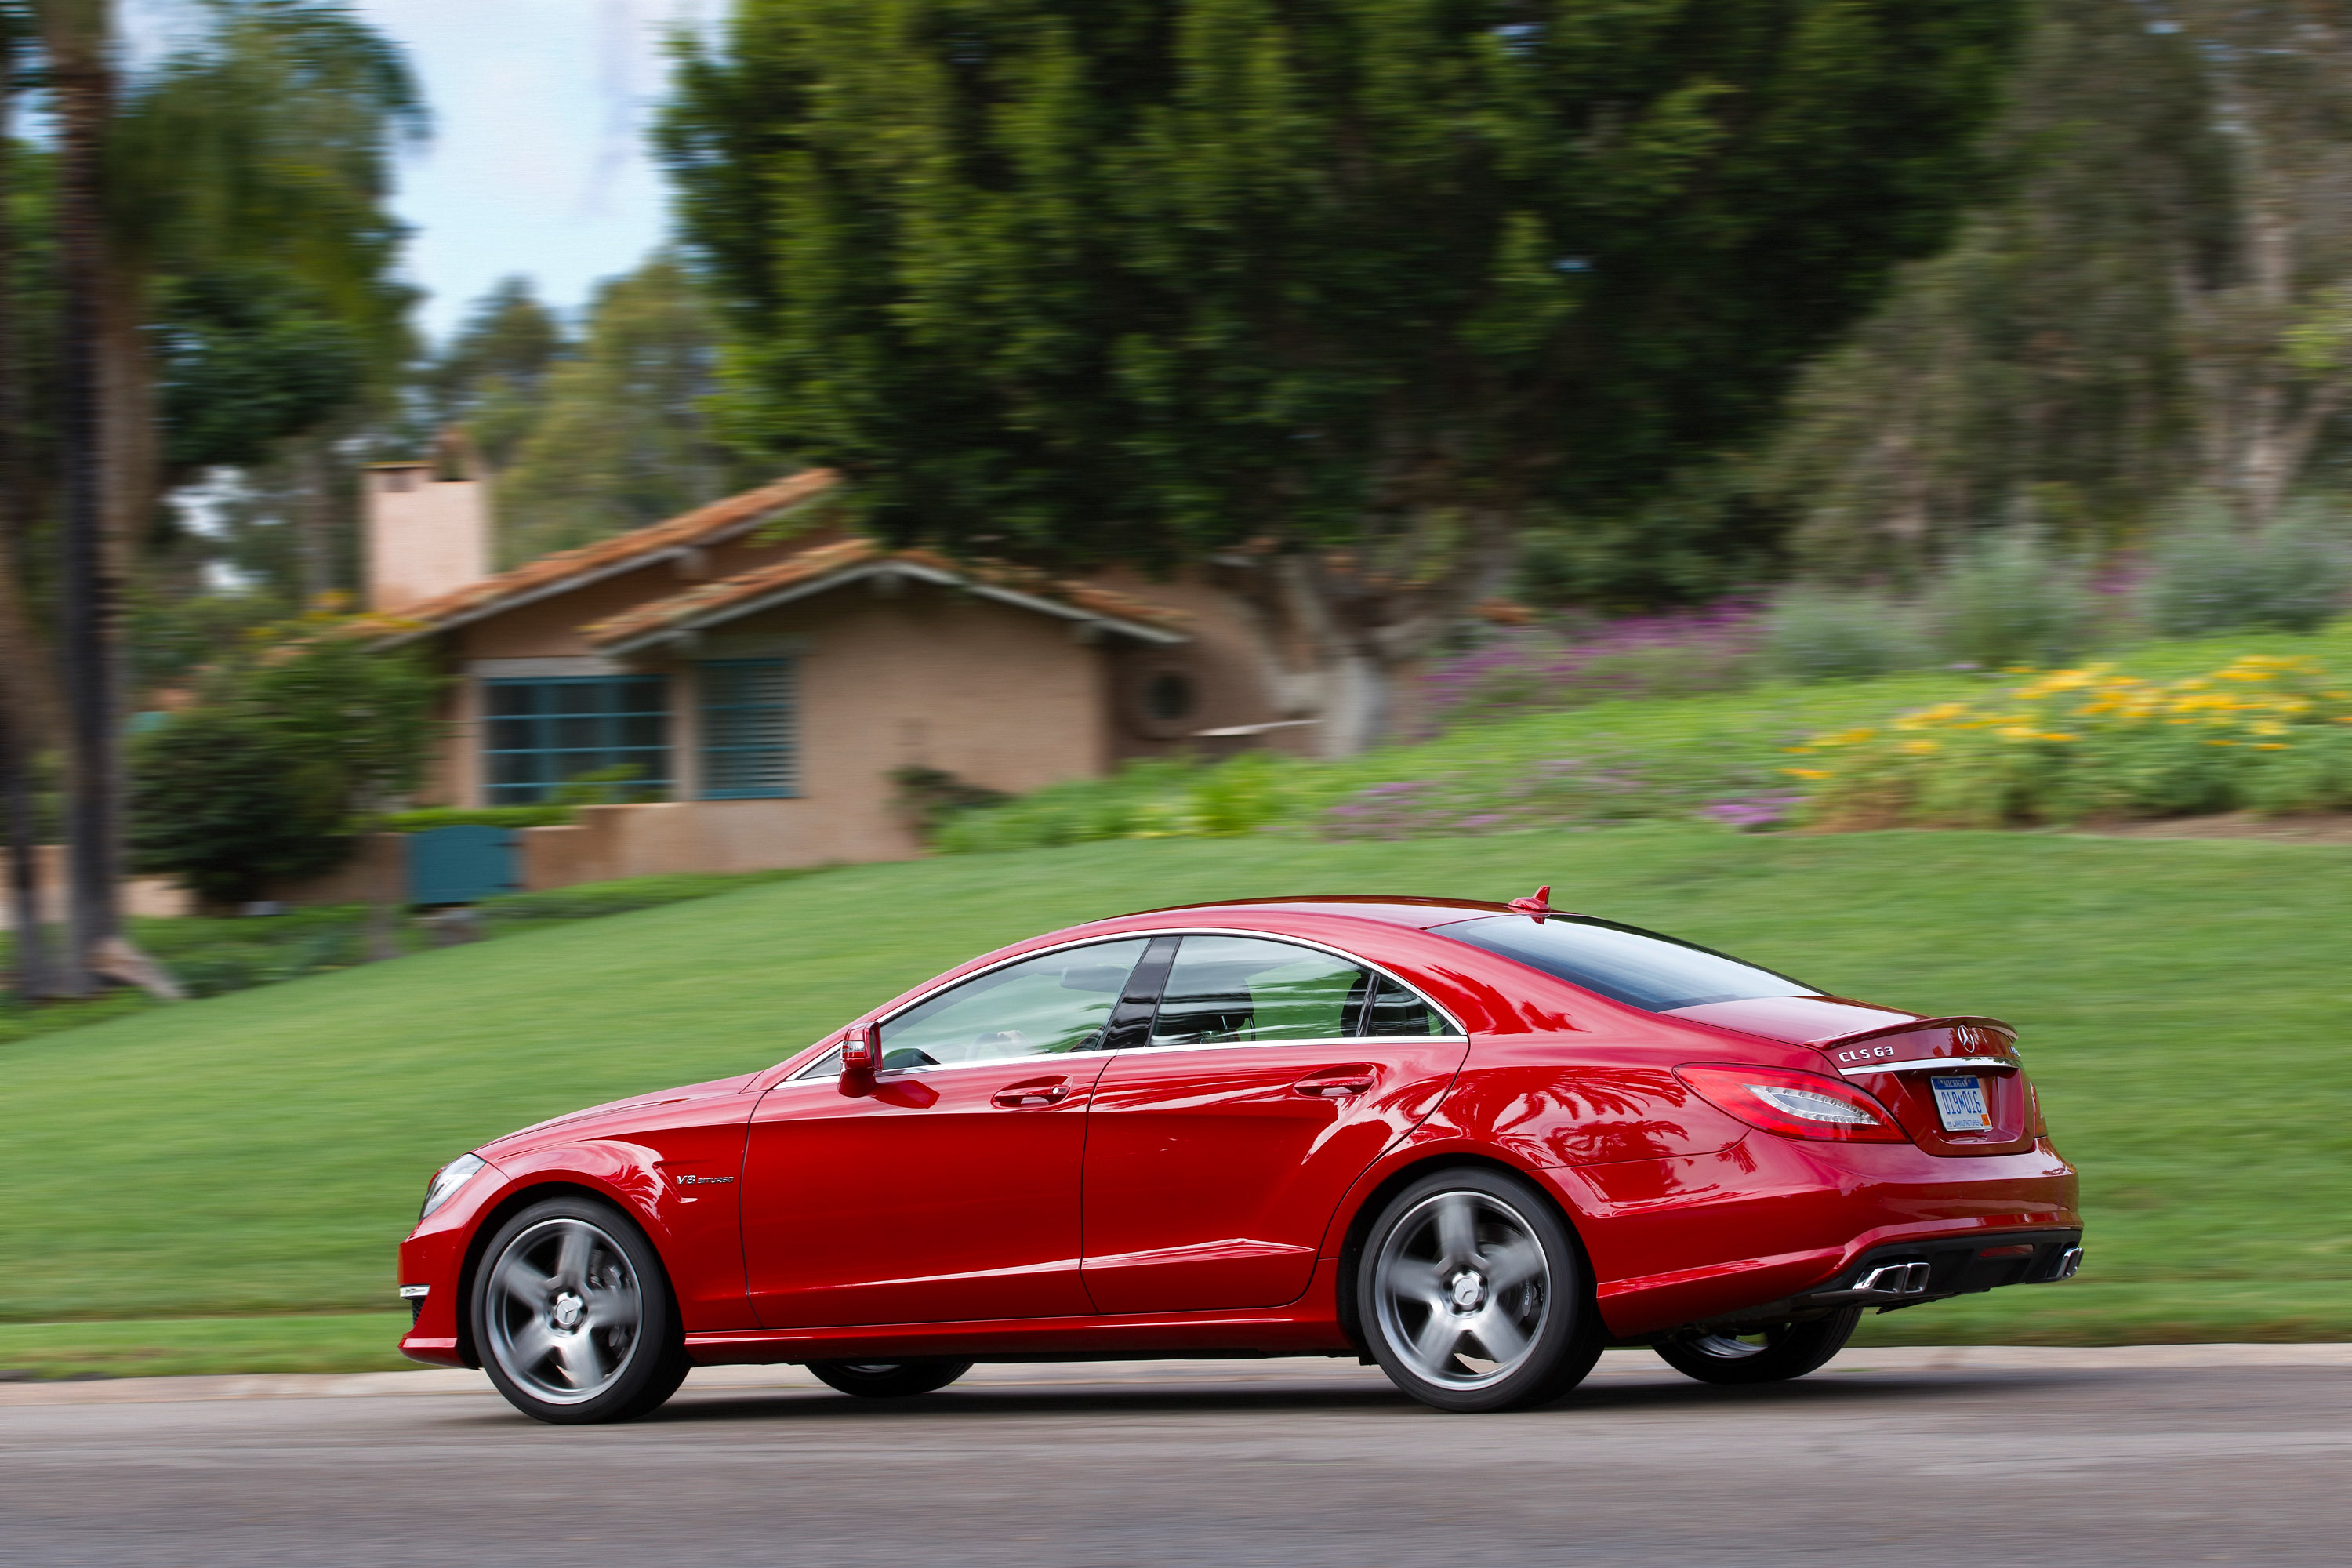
column 1897, row 1056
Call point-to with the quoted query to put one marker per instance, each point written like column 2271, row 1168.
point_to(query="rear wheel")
column 1473, row 1296
column 889, row 1379
column 1768, row 1355
column 572, row 1315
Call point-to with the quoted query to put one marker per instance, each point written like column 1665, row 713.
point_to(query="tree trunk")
column 80, row 70
column 1353, row 680
column 1365, row 621
column 24, row 849
column 24, row 698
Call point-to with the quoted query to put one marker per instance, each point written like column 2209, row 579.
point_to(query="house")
column 760, row 676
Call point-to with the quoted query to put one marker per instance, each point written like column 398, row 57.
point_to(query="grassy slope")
column 1689, row 750
column 261, row 1153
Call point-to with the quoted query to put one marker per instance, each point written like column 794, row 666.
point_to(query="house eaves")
column 684, row 616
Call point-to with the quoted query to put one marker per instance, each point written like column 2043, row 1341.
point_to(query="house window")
column 539, row 734
column 749, row 730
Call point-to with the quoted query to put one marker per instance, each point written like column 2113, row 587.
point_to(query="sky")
column 538, row 162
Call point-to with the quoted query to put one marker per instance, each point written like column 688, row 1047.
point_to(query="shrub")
column 2209, row 576
column 295, row 738
column 927, row 797
column 590, row 900
column 2264, row 734
column 426, row 818
column 1680, row 654
column 2008, row 601
column 1831, row 634
column 222, row 801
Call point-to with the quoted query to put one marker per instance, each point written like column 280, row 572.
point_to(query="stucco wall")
column 999, row 695
column 155, row 897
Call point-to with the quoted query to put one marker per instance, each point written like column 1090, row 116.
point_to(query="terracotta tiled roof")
column 701, row 526
column 709, row 603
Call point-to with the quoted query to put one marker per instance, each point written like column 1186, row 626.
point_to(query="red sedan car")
column 1474, row 1143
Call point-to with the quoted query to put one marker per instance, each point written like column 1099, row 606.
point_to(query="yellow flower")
column 2018, row 733
column 2055, row 736
column 1807, row 772
column 1920, row 748
column 2272, row 746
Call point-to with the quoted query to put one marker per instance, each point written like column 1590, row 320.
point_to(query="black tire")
column 605, row 1343
column 1473, row 1257
column 889, row 1379
column 1776, row 1354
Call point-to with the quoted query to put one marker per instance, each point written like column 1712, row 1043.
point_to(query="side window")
column 1047, row 1005
column 1236, row 989
column 1394, row 1011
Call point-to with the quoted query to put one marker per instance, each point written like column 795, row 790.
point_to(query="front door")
column 1216, row 1154
column 948, row 1191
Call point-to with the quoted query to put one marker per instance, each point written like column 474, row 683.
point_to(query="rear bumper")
column 1749, row 1230
column 1913, row 1273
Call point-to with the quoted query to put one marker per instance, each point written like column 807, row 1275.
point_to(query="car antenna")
column 1539, row 906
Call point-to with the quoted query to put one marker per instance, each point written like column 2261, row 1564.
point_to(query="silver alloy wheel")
column 1463, row 1289
column 563, row 1309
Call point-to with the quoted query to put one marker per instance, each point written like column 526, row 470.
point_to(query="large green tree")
column 219, row 215
column 491, row 377
column 1372, row 281
column 620, row 436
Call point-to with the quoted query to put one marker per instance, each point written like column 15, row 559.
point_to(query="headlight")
column 448, row 1180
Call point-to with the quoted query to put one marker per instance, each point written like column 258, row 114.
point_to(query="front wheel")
column 889, row 1379
column 572, row 1315
column 1770, row 1355
column 1473, row 1295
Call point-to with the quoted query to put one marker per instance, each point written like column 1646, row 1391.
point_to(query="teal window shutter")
column 749, row 730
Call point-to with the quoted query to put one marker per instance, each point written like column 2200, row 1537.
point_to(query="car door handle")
column 1336, row 1083
column 1022, row 1096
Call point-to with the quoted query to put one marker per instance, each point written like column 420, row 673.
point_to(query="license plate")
column 1960, row 1104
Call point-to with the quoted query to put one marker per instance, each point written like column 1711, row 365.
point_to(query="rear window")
column 1638, row 968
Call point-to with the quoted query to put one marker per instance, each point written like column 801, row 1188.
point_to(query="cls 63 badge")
column 1854, row 1056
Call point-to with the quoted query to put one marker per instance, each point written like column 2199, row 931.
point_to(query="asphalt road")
column 1897, row 1458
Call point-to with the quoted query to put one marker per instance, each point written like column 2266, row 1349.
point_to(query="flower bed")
column 2264, row 734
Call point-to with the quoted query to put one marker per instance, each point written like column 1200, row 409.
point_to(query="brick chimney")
column 428, row 533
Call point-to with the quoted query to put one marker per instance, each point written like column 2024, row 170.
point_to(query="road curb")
column 1900, row 1360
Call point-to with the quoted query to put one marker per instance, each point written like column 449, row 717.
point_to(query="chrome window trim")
column 1324, row 1040
column 1938, row 1064
column 882, row 1019
column 1456, row 1033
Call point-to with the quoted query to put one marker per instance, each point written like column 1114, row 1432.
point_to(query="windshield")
column 1638, row 968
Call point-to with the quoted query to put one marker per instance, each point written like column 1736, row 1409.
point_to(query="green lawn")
column 260, row 1153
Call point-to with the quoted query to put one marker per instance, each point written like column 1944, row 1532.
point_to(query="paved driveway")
column 2174, row 1455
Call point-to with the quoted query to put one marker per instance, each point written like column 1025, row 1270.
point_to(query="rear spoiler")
column 1962, row 1023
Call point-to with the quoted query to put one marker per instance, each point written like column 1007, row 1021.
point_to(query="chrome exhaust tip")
column 1894, row 1280
column 2068, row 1262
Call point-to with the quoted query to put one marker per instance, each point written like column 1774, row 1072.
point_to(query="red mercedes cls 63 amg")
column 1474, row 1143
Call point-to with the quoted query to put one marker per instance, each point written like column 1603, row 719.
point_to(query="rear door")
column 1216, row 1154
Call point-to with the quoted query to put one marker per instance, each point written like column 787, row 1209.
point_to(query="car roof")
column 1390, row 909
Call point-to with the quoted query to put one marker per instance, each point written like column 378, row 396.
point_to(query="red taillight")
column 1793, row 1104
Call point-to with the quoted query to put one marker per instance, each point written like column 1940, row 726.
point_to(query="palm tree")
column 23, row 663
column 78, row 38
column 264, row 142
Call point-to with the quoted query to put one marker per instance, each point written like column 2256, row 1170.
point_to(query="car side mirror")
column 860, row 1054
